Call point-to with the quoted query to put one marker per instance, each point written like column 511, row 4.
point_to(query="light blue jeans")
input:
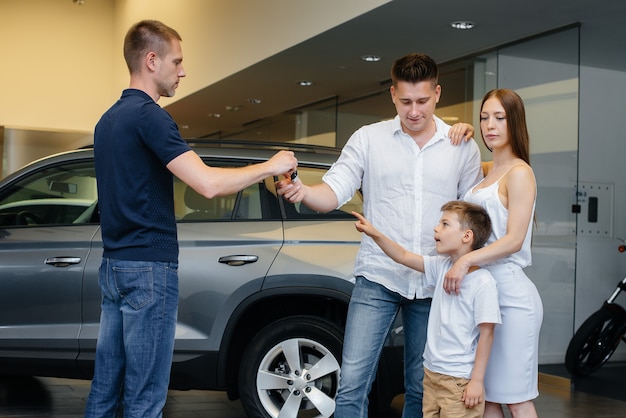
column 372, row 310
column 136, row 339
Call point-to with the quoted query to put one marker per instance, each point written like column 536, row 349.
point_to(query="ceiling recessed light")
column 370, row 58
column 463, row 24
column 304, row 83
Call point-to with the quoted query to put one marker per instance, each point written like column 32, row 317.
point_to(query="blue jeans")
column 373, row 308
column 136, row 340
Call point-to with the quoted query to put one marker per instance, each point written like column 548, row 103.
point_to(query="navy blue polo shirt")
column 133, row 142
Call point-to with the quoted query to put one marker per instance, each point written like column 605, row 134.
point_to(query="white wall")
column 63, row 64
column 56, row 63
column 222, row 37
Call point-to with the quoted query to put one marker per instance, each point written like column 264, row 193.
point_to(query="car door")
column 47, row 221
column 227, row 244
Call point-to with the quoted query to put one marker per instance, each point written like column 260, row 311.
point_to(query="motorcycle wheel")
column 594, row 343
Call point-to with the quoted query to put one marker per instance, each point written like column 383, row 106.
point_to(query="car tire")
column 291, row 367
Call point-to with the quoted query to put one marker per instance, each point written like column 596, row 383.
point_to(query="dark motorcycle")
column 598, row 337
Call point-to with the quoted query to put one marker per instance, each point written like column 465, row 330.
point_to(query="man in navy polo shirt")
column 138, row 149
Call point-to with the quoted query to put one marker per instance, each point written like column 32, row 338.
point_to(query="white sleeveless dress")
column 512, row 372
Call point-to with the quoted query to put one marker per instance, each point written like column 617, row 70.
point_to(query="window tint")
column 241, row 206
column 59, row 195
column 66, row 194
column 249, row 204
column 312, row 175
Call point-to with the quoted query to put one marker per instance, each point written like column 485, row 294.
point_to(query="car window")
column 58, row 195
column 249, row 204
column 191, row 206
column 313, row 175
column 66, row 194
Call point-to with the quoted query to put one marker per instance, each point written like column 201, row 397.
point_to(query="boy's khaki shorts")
column 443, row 397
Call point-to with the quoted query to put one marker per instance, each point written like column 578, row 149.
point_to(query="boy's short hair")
column 414, row 68
column 473, row 217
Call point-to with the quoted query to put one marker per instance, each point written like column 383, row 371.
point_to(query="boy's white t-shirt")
column 453, row 323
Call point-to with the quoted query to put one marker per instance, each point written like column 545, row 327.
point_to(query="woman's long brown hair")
column 516, row 121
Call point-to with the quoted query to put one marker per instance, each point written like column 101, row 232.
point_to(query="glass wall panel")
column 313, row 124
column 544, row 72
column 356, row 113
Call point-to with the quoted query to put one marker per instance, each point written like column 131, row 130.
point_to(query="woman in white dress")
column 508, row 193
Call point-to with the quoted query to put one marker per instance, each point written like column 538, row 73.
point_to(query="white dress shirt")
column 403, row 189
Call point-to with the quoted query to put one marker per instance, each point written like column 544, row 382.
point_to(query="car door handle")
column 238, row 260
column 62, row 261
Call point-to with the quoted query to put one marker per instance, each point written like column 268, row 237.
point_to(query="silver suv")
column 264, row 284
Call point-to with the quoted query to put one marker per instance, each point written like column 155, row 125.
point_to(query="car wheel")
column 291, row 369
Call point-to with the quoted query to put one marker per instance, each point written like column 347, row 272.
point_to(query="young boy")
column 460, row 327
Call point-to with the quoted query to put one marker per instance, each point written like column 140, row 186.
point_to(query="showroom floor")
column 559, row 397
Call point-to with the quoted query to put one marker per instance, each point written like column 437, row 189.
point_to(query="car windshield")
column 63, row 194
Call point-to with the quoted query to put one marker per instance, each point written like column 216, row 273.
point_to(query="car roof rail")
column 221, row 143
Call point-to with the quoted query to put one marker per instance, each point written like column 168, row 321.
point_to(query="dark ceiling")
column 332, row 60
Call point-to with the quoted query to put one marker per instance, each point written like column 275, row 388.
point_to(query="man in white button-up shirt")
column 407, row 168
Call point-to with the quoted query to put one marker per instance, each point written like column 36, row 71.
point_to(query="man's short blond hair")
column 146, row 36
